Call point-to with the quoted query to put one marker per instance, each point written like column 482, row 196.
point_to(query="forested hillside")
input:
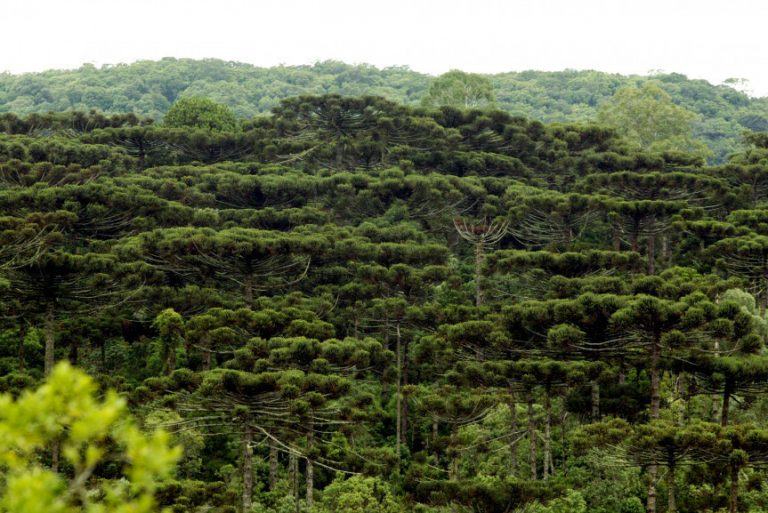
column 355, row 305
column 148, row 88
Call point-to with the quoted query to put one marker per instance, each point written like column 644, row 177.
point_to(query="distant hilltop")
column 148, row 88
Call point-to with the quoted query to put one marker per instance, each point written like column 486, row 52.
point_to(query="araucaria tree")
column 355, row 304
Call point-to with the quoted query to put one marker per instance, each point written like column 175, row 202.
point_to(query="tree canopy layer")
column 353, row 304
column 149, row 88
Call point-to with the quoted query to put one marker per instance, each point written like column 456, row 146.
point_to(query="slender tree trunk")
column 513, row 440
column 273, row 464
column 453, row 469
column 655, row 378
column 531, row 435
column 568, row 238
column 248, row 291
column 727, row 391
column 651, row 250
column 398, row 398
column 564, row 462
column 142, row 155
column 595, row 386
column 547, row 434
column 435, row 434
column 671, row 500
column 651, row 502
column 247, row 469
column 479, row 259
column 404, row 402
column 666, row 249
column 616, row 236
column 50, row 359
column 339, row 155
column 653, row 469
column 50, row 339
column 206, row 360
column 310, row 471
column 20, row 352
column 170, row 360
column 733, row 495
column 764, row 296
column 293, row 469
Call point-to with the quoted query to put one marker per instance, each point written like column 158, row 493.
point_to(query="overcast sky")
column 714, row 40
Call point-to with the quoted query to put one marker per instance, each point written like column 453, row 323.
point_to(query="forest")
column 351, row 304
column 149, row 88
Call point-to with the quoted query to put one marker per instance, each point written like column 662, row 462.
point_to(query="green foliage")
column 358, row 494
column 293, row 300
column 647, row 116
column 150, row 88
column 90, row 432
column 571, row 502
column 198, row 112
column 459, row 89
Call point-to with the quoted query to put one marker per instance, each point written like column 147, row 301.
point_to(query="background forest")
column 353, row 304
column 149, row 88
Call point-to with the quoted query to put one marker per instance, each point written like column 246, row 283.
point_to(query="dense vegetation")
column 149, row 88
column 355, row 305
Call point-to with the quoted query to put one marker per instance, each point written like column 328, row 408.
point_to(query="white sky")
column 714, row 40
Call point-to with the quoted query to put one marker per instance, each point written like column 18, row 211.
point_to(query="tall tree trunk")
column 547, row 434
column 733, row 495
column 764, row 295
column 435, row 434
column 20, row 352
column 293, row 477
column 310, row 471
column 453, row 469
column 50, row 360
column 339, row 155
column 248, row 291
column 206, row 360
column 666, row 249
column 479, row 259
column 671, row 500
column 655, row 377
column 653, row 469
column 273, row 464
column 170, row 359
column 531, row 435
column 651, row 250
column 595, row 387
column 247, row 469
column 404, row 403
column 50, row 339
column 616, row 238
column 650, row 506
column 564, row 461
column 513, row 439
column 398, row 398
column 727, row 392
